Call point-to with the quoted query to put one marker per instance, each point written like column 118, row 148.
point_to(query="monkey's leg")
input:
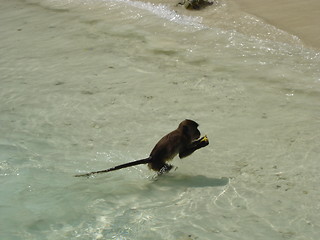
column 165, row 169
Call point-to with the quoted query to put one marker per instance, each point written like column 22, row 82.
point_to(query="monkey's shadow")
column 198, row 181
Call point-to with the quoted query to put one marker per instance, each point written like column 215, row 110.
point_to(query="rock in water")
column 195, row 4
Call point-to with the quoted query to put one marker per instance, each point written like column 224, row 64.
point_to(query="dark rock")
column 195, row 4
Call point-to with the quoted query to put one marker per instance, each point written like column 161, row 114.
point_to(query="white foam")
column 158, row 10
column 163, row 11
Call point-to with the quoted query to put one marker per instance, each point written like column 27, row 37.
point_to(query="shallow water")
column 86, row 85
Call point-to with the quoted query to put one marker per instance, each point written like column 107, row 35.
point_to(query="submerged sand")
column 89, row 87
column 300, row 18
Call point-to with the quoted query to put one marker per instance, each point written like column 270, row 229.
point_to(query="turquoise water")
column 86, row 85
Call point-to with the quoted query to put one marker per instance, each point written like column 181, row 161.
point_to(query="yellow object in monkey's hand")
column 205, row 139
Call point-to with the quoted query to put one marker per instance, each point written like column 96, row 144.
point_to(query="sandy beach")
column 300, row 18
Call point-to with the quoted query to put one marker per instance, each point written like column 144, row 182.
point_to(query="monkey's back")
column 165, row 150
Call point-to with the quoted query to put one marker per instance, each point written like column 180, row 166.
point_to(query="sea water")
column 87, row 85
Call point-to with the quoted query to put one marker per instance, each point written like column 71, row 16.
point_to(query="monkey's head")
column 190, row 129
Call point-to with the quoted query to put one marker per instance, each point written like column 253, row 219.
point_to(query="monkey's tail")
column 130, row 164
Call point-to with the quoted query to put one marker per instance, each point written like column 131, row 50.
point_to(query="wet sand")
column 300, row 18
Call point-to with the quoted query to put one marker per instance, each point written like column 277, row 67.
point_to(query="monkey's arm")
column 202, row 142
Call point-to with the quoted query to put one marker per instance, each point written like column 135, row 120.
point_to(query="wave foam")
column 159, row 10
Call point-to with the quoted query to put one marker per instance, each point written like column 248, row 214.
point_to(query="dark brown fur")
column 183, row 141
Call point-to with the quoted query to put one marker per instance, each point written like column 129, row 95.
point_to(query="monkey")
column 183, row 141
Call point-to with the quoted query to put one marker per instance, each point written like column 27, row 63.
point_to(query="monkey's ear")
column 185, row 130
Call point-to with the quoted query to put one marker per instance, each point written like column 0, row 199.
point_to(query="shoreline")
column 295, row 17
column 300, row 18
